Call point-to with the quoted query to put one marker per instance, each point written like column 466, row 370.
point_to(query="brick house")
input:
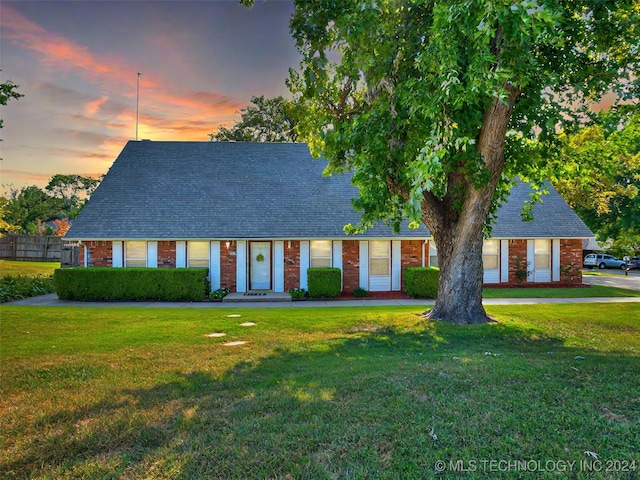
column 258, row 215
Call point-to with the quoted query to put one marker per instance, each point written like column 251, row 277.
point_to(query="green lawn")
column 318, row 393
column 10, row 267
column 580, row 292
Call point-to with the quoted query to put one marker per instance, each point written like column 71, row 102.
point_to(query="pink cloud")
column 111, row 72
column 92, row 107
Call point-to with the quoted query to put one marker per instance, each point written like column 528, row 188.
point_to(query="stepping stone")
column 215, row 335
column 234, row 316
column 233, row 344
column 247, row 324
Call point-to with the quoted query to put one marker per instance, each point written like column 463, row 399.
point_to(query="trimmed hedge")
column 422, row 282
column 113, row 284
column 324, row 282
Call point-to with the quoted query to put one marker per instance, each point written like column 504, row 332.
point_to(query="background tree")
column 267, row 120
column 6, row 228
column 437, row 106
column 73, row 190
column 8, row 91
column 27, row 209
column 597, row 170
column 31, row 206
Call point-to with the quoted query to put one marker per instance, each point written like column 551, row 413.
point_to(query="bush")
column 219, row 294
column 422, row 282
column 360, row 293
column 17, row 287
column 297, row 293
column 324, row 282
column 112, row 284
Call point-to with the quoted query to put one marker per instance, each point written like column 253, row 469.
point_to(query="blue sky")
column 77, row 63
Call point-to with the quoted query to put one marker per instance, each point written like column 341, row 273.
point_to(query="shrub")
column 324, row 282
column 219, row 294
column 360, row 293
column 298, row 293
column 17, row 287
column 422, row 282
column 108, row 284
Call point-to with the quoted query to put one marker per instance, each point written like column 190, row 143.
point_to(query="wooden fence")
column 32, row 248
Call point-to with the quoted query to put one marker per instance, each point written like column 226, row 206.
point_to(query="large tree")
column 267, row 120
column 437, row 106
column 597, row 170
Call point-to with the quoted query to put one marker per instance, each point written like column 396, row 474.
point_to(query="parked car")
column 633, row 263
column 603, row 261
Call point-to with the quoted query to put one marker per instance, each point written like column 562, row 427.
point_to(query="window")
column 135, row 254
column 198, row 254
column 379, row 257
column 490, row 254
column 433, row 254
column 542, row 254
column 320, row 253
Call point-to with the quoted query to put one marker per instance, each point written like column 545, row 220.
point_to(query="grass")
column 585, row 292
column 20, row 280
column 11, row 267
column 318, row 393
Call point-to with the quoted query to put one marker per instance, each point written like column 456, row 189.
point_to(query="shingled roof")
column 229, row 190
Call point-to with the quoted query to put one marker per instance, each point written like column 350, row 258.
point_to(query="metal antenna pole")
column 137, row 103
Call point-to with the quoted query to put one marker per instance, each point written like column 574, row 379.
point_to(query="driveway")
column 617, row 278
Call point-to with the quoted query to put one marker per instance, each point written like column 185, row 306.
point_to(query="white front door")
column 260, row 267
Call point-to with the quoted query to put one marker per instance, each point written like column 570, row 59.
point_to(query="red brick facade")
column 100, row 254
column 291, row 264
column 228, row 260
column 167, row 254
column 350, row 265
column 571, row 261
column 410, row 256
column 518, row 262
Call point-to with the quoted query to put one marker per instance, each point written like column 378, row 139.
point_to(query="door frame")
column 250, row 264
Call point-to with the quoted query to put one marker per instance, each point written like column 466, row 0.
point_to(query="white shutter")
column 364, row 264
column 337, row 254
column 278, row 266
column 181, row 254
column 241, row 266
column 504, row 261
column 214, row 265
column 152, row 254
column 304, row 263
column 396, row 264
column 555, row 252
column 116, row 254
column 530, row 263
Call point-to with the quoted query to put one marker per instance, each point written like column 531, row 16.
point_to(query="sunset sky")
column 77, row 63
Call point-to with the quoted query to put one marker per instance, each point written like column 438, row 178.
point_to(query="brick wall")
column 410, row 256
column 517, row 260
column 350, row 265
column 228, row 260
column 167, row 254
column 571, row 261
column 100, row 253
column 291, row 265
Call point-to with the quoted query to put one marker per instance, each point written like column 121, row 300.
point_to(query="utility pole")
column 137, row 103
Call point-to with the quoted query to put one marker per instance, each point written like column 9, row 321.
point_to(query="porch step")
column 237, row 297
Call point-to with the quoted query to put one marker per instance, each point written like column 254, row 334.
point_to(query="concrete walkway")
column 52, row 300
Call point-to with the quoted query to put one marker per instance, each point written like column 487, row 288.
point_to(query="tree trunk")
column 458, row 233
column 460, row 287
